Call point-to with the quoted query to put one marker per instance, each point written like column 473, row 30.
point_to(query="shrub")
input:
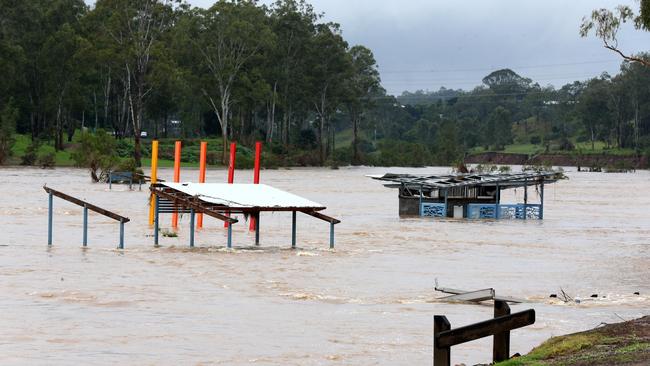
column 96, row 151
column 31, row 154
column 124, row 148
column 535, row 140
column 8, row 118
column 47, row 159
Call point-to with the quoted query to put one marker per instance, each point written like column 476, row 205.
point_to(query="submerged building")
column 472, row 196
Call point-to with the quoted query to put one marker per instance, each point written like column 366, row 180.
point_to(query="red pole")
column 177, row 176
column 231, row 169
column 256, row 176
column 202, row 161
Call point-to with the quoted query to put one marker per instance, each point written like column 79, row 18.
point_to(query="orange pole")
column 231, row 169
column 256, row 177
column 177, row 176
column 202, row 158
column 154, row 178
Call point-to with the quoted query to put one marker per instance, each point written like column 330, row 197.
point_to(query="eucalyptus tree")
column 133, row 32
column 227, row 36
column 330, row 65
column 294, row 24
column 362, row 82
column 606, row 23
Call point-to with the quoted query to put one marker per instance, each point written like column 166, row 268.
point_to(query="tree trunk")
column 356, row 159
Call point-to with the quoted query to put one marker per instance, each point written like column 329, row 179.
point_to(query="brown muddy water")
column 368, row 302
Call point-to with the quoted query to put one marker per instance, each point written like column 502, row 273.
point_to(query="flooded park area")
column 368, row 301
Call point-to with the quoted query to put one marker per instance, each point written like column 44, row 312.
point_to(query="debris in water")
column 594, row 295
column 553, row 296
column 637, row 293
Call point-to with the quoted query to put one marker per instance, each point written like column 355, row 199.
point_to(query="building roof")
column 471, row 180
column 243, row 196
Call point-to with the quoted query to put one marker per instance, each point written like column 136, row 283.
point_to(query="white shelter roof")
column 243, row 195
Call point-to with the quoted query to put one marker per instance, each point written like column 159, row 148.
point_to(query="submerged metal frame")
column 177, row 201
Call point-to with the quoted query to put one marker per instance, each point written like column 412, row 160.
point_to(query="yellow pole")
column 154, row 177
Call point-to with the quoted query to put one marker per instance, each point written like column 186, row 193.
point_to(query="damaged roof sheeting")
column 442, row 182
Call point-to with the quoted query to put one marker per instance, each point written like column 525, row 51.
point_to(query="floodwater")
column 370, row 301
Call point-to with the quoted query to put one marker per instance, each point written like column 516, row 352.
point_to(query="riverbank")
column 626, row 343
column 597, row 161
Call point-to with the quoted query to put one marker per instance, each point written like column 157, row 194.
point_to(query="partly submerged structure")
column 219, row 200
column 473, row 196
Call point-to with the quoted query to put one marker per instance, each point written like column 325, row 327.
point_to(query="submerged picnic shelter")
column 472, row 196
column 219, row 200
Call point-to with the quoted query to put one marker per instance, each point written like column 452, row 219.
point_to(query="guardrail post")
column 501, row 345
column 49, row 219
column 441, row 355
column 85, row 240
column 293, row 229
column 191, row 228
column 121, row 234
column 331, row 235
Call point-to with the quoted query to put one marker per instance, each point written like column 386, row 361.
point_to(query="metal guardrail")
column 86, row 206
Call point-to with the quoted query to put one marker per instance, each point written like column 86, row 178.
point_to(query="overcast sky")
column 426, row 44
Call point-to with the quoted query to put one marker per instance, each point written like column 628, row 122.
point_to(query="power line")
column 494, row 67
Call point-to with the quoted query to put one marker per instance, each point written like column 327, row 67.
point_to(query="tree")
column 96, row 151
column 606, row 23
column 499, row 128
column 227, row 36
column 361, row 84
column 593, row 108
column 329, row 67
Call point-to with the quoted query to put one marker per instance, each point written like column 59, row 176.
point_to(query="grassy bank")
column 626, row 343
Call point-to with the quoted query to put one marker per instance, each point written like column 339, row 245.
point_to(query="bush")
column 96, row 151
column 47, row 159
column 124, row 148
column 31, row 154
column 535, row 140
column 8, row 118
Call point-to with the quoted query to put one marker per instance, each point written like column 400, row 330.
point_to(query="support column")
column 420, row 207
column 229, row 235
column 156, row 220
column 257, row 229
column 541, row 199
column 191, row 228
column 446, row 208
column 331, row 235
column 85, row 240
column 293, row 229
column 525, row 199
column 49, row 220
column 110, row 180
column 497, row 214
column 121, row 234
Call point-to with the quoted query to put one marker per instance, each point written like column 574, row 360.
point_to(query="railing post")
column 497, row 214
column 85, row 240
column 501, row 345
column 156, row 215
column 191, row 228
column 441, row 355
column 121, row 234
column 293, row 229
column 49, row 219
column 525, row 199
column 110, row 180
column 331, row 235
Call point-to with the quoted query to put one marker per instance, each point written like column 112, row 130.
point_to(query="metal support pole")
column 85, row 241
column 121, row 234
column 293, row 229
column 229, row 235
column 498, row 205
column 257, row 229
column 49, row 220
column 421, row 212
column 191, row 228
column 331, row 235
column 446, row 194
column 525, row 199
column 110, row 180
column 156, row 221
column 541, row 198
